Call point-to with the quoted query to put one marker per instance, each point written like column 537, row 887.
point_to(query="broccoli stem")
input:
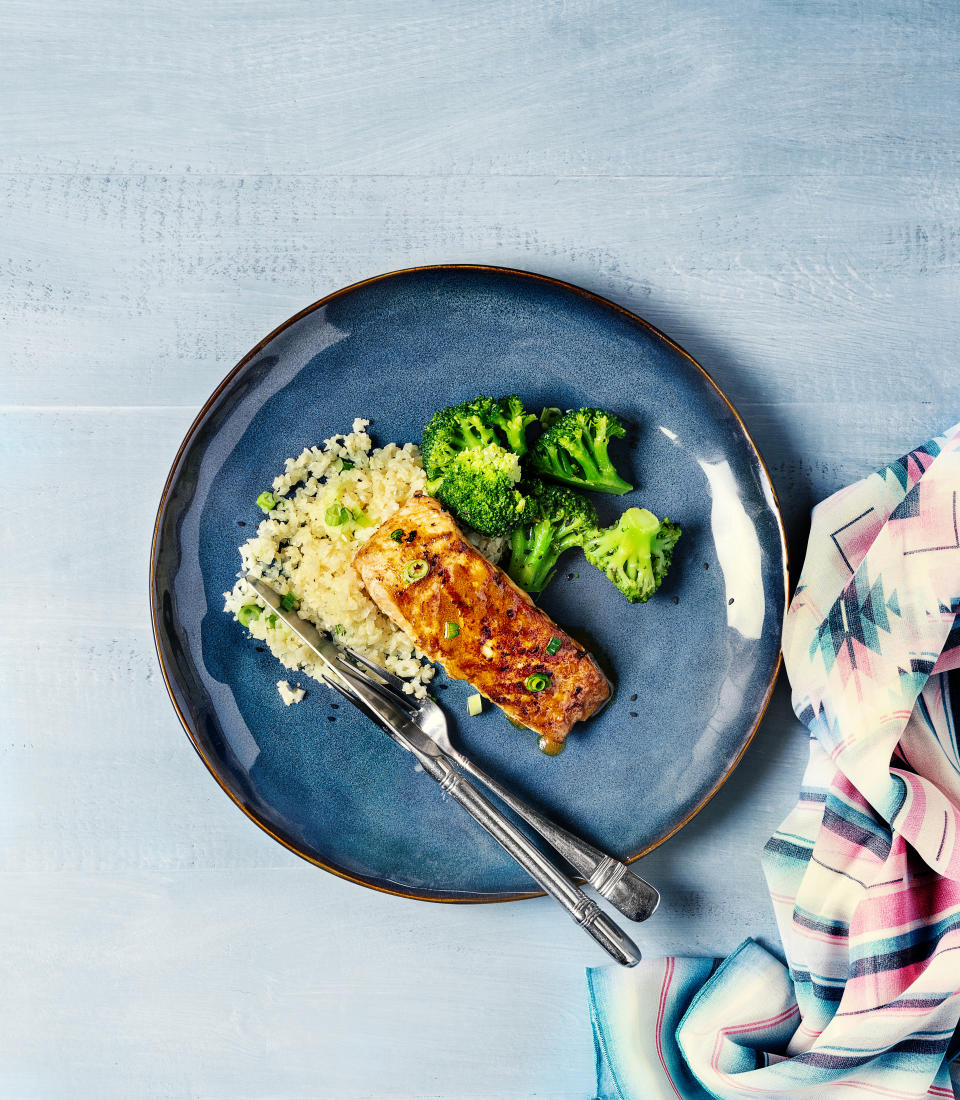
column 471, row 438
column 611, row 480
column 532, row 560
column 599, row 470
column 516, row 438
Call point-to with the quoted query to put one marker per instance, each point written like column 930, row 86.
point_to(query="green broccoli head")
column 480, row 486
column 555, row 519
column 635, row 553
column 472, row 424
column 574, row 451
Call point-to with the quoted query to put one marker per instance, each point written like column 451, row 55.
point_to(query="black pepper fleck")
column 331, row 718
column 240, row 523
column 260, row 649
column 569, row 576
column 633, row 698
column 706, row 565
column 633, row 714
column 676, row 599
column 335, row 706
column 730, row 601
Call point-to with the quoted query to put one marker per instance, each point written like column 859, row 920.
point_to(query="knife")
column 354, row 686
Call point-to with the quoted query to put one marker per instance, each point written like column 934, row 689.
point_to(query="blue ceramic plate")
column 694, row 667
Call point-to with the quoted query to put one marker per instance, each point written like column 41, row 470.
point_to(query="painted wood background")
column 775, row 184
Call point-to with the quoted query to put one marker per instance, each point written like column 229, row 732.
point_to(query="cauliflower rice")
column 297, row 549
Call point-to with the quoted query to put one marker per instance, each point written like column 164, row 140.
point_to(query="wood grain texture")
column 775, row 185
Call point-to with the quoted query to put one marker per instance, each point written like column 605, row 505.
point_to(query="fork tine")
column 330, row 682
column 350, row 698
column 377, row 670
column 357, row 676
column 356, row 702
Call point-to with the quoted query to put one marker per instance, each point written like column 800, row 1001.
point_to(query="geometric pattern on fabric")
column 864, row 873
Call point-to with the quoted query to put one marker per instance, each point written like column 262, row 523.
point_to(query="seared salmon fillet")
column 421, row 570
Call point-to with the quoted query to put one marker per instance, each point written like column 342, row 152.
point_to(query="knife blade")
column 410, row 735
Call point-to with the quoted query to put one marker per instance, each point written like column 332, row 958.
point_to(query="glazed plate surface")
column 693, row 668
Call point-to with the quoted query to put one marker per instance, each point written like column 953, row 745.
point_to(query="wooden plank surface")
column 774, row 185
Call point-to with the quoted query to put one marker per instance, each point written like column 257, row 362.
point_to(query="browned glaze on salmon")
column 502, row 637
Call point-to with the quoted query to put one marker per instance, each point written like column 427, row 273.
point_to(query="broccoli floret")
column 555, row 519
column 473, row 424
column 635, row 553
column 480, row 486
column 573, row 450
column 512, row 419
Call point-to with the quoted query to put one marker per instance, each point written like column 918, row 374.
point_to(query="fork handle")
column 631, row 894
column 585, row 912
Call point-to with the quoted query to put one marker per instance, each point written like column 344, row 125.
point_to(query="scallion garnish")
column 397, row 535
column 346, row 464
column 451, row 629
column 289, row 602
column 553, row 646
column 537, row 681
column 415, row 570
column 267, row 501
column 272, row 620
column 335, row 515
column 360, row 518
column 248, row 613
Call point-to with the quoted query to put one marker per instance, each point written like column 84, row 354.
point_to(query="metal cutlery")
column 376, row 700
column 627, row 891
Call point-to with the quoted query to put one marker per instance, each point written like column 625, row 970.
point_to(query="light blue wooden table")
column 774, row 184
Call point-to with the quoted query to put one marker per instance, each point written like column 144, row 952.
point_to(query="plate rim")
column 360, row 880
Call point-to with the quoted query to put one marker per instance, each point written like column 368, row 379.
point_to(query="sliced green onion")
column 338, row 629
column 474, row 705
column 335, row 515
column 267, row 501
column 415, row 570
column 360, row 518
column 346, row 464
column 451, row 629
column 289, row 602
column 248, row 613
column 397, row 535
column 553, row 646
column 272, row 620
column 537, row 681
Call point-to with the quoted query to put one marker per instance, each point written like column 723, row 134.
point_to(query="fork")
column 360, row 690
column 374, row 697
column 628, row 892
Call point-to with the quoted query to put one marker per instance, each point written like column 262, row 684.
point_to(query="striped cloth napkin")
column 864, row 873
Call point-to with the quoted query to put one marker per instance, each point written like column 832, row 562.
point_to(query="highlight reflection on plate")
column 694, row 667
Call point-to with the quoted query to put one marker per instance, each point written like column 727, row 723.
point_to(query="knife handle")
column 624, row 889
column 585, row 912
